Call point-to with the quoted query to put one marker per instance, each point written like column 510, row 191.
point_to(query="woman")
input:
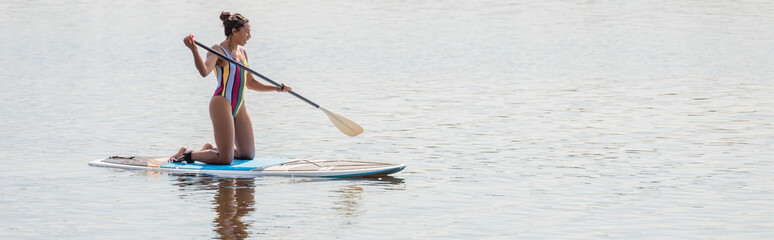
column 230, row 120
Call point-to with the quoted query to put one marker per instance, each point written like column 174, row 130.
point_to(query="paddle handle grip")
column 256, row 73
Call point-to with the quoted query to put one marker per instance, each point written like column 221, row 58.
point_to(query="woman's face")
column 241, row 35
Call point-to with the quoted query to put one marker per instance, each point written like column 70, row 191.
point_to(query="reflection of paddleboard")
column 258, row 167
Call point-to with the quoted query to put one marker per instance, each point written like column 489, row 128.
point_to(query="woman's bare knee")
column 224, row 158
column 246, row 156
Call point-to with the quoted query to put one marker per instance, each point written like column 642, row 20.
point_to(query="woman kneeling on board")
column 230, row 122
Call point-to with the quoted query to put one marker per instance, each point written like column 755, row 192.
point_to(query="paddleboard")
column 257, row 167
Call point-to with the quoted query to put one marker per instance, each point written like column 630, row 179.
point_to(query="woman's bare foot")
column 207, row 146
column 179, row 153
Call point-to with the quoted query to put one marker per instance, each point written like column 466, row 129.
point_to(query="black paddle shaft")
column 255, row 73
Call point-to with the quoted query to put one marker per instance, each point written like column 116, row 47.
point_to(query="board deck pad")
column 258, row 167
column 236, row 165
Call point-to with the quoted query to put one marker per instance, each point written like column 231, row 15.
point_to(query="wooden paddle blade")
column 344, row 125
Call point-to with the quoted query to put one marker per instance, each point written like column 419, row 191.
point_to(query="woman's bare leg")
column 223, row 128
column 244, row 140
column 223, row 125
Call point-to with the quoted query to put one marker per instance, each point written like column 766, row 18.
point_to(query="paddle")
column 344, row 125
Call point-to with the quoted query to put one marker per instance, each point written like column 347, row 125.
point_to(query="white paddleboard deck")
column 257, row 167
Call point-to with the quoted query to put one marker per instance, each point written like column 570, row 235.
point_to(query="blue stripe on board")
column 236, row 165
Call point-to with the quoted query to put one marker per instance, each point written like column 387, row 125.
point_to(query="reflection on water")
column 346, row 200
column 234, row 198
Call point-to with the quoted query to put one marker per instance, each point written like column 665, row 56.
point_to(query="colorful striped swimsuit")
column 231, row 82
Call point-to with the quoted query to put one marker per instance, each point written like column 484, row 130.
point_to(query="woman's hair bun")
column 232, row 21
column 224, row 15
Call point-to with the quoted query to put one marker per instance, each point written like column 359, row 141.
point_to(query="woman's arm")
column 204, row 67
column 253, row 84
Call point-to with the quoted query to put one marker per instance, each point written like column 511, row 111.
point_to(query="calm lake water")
column 517, row 119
